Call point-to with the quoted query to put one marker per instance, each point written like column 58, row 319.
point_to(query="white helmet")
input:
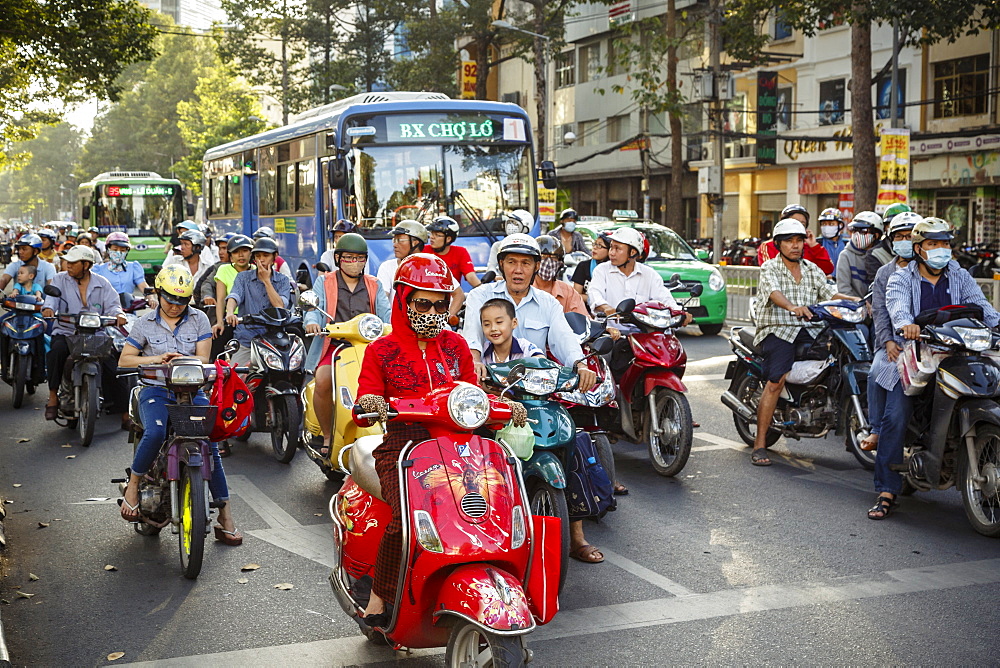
column 867, row 220
column 904, row 221
column 518, row 221
column 629, row 237
column 520, row 244
column 789, row 227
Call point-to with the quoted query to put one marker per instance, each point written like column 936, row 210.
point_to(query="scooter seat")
column 361, row 462
column 746, row 338
column 133, row 406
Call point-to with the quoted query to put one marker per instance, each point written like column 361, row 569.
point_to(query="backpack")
column 589, row 492
column 234, row 400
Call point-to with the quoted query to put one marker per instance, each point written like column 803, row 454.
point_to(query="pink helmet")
column 118, row 239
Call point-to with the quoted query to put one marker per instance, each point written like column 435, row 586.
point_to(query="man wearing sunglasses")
column 344, row 293
column 540, row 317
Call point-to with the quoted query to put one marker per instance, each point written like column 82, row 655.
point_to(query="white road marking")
column 711, row 361
column 643, row 573
column 261, row 503
column 355, row 650
column 691, row 378
column 314, row 541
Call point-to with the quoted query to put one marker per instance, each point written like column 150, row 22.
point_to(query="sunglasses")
column 424, row 305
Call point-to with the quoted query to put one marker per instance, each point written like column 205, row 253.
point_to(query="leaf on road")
column 318, row 514
column 23, row 440
column 109, row 567
column 114, row 656
column 284, row 586
column 16, row 484
column 243, row 581
column 21, row 594
column 70, row 456
column 32, row 577
column 66, row 445
column 250, row 567
column 42, row 525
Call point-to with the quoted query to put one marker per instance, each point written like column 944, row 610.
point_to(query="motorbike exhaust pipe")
column 738, row 407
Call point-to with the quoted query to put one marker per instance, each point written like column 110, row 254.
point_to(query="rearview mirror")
column 336, row 172
column 189, row 209
column 52, row 291
column 308, row 300
column 322, row 267
column 602, row 345
column 696, row 290
column 232, row 346
column 547, row 170
column 625, row 307
column 674, row 278
column 517, row 373
column 488, row 277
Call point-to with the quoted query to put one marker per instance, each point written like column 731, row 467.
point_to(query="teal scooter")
column 555, row 435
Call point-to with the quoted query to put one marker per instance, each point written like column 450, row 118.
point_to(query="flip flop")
column 232, row 538
column 868, row 445
column 621, row 490
column 585, row 553
column 759, row 457
column 132, row 517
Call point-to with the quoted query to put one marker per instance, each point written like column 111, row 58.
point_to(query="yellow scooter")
column 349, row 340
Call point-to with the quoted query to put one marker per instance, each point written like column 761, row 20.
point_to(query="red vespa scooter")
column 651, row 394
column 479, row 570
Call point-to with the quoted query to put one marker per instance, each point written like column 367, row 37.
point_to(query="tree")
column 48, row 52
column 44, row 185
column 141, row 132
column 920, row 23
column 427, row 59
column 223, row 109
column 371, row 27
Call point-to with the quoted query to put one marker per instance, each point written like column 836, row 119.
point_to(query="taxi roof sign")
column 624, row 213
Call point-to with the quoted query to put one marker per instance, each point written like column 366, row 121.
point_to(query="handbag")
column 589, row 492
column 234, row 400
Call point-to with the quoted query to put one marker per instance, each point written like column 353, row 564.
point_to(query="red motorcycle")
column 651, row 394
column 479, row 570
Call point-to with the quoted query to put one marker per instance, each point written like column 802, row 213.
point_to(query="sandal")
column 129, row 512
column 621, row 490
column 224, row 450
column 51, row 412
column 883, row 506
column 869, row 443
column 587, row 554
column 759, row 457
column 232, row 538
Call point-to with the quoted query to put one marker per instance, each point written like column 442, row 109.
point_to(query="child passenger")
column 26, row 282
column 499, row 320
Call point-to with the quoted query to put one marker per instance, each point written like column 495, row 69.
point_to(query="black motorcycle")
column 278, row 362
column 954, row 434
column 828, row 392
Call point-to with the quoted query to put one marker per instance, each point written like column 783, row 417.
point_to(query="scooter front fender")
column 662, row 378
column 84, row 369
column 546, row 466
column 281, row 388
column 487, row 596
column 854, row 374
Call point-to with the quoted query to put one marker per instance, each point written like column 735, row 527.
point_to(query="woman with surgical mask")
column 572, row 241
column 124, row 275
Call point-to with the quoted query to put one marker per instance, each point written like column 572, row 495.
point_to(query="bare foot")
column 869, row 442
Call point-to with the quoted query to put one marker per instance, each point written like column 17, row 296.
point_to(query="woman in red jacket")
column 419, row 355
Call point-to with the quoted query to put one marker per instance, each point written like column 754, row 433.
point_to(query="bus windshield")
column 138, row 210
column 473, row 183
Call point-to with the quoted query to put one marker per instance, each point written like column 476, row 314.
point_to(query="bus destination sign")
column 139, row 191
column 452, row 128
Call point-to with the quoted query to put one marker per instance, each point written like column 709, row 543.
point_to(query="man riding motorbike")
column 442, row 233
column 49, row 238
column 419, row 355
column 408, row 237
column 189, row 254
column 252, row 292
column 173, row 329
column 517, row 221
column 788, row 285
column 931, row 281
column 344, row 293
column 852, row 278
column 27, row 248
column 585, row 270
column 279, row 262
column 567, row 233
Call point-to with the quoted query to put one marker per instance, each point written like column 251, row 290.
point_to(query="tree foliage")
column 63, row 50
column 45, row 184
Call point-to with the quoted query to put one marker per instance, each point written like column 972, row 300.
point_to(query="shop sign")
column 826, row 180
column 467, row 83
column 546, row 204
column 958, row 171
column 950, row 144
column 821, row 149
column 767, row 117
column 893, row 168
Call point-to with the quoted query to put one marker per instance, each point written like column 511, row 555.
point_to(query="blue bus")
column 377, row 159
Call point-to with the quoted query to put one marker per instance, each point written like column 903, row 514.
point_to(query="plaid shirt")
column 774, row 275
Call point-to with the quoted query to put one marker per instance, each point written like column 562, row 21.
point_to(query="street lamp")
column 540, row 73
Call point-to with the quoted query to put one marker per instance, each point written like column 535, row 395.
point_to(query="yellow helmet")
column 175, row 282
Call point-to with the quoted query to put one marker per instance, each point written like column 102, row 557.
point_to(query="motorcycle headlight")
column 370, row 327
column 89, row 321
column 601, row 395
column 715, row 281
column 468, row 406
column 846, row 314
column 272, row 360
column 655, row 318
column 974, row 338
column 186, row 374
column 297, row 356
column 540, row 381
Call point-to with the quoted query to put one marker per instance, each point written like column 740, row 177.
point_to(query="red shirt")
column 392, row 370
column 458, row 260
column 815, row 254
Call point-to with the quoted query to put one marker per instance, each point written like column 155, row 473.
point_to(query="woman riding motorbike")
column 174, row 329
column 419, row 355
column 124, row 275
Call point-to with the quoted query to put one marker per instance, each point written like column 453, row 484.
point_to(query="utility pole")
column 894, row 88
column 644, row 158
column 715, row 46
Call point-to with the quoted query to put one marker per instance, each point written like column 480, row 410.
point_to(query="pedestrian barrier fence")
column 741, row 285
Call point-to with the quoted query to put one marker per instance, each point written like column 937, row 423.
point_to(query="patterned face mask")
column 862, row 240
column 427, row 325
column 549, row 268
column 117, row 257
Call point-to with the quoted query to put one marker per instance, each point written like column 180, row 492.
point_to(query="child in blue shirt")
column 498, row 319
column 26, row 282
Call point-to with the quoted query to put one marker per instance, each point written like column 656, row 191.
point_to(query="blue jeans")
column 898, row 410
column 153, row 414
column 876, row 404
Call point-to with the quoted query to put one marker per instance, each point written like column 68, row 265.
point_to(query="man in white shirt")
column 624, row 277
column 408, row 237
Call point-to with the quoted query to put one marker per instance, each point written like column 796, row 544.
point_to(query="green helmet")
column 894, row 209
column 352, row 242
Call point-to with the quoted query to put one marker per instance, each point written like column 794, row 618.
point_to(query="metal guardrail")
column 741, row 285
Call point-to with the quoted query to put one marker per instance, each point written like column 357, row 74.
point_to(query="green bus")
column 142, row 204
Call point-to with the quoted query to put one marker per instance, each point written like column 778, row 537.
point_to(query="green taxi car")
column 669, row 254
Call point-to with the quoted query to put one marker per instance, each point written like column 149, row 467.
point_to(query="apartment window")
column 782, row 30
column 590, row 62
column 617, row 47
column 831, row 102
column 619, row 128
column 565, row 69
column 960, row 86
column 588, row 135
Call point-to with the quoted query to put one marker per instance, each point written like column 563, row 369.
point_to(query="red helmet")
column 424, row 271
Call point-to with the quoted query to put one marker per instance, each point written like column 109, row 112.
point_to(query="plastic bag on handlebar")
column 234, row 400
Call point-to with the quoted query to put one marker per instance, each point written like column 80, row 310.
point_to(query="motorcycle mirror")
column 625, row 307
column 52, row 291
column 518, row 372
column 232, row 346
column 602, row 345
column 696, row 290
column 308, row 300
column 323, row 267
column 489, row 277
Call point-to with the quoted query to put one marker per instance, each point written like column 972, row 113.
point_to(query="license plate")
column 693, row 301
column 25, row 307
